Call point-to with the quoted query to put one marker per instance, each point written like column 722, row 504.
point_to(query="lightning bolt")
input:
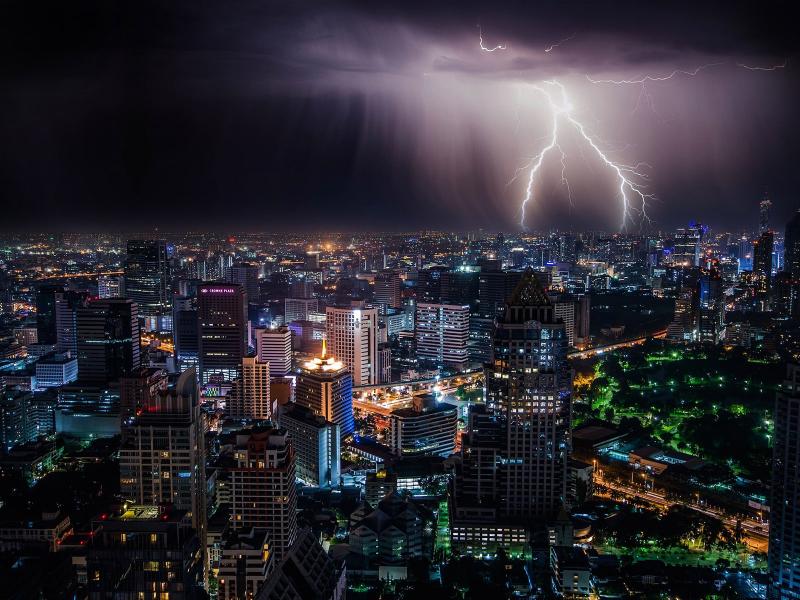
column 629, row 177
column 554, row 45
column 770, row 68
column 485, row 48
column 645, row 78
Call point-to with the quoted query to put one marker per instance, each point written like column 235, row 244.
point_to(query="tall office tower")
column 140, row 389
column 246, row 275
column 442, row 334
column 46, row 313
column 324, row 386
column 316, row 443
column 583, row 319
column 67, row 304
column 298, row 309
column 144, row 552
column 762, row 261
column 514, row 461
column 18, row 422
column 147, row 277
column 682, row 327
column 249, row 396
column 275, row 347
column 162, row 460
column 529, row 385
column 109, row 286
column 763, row 214
column 353, row 338
column 711, row 307
column 222, row 327
column 185, row 333
column 494, row 289
column 784, row 520
column 791, row 246
column 564, row 308
column 426, row 428
column 263, row 488
column 107, row 340
column 688, row 241
column 388, row 290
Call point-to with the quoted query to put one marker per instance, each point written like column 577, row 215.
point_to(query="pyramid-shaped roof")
column 529, row 291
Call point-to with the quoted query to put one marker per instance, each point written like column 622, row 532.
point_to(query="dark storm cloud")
column 266, row 114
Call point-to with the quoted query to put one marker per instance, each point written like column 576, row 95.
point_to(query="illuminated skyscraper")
column 147, row 277
column 514, row 461
column 763, row 214
column 249, row 398
column 784, row 520
column 275, row 346
column 263, row 486
column 324, row 386
column 353, row 339
column 109, row 286
column 687, row 245
column 162, row 460
column 762, row 261
column 222, row 326
column 442, row 333
column 388, row 288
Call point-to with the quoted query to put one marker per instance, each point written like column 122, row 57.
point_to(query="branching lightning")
column 486, row 48
column 630, row 177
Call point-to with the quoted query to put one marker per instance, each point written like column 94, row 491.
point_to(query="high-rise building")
column 249, row 397
column 67, row 304
column 147, row 277
column 109, row 286
column 185, row 332
column 514, row 461
column 791, row 246
column 107, row 340
column 784, row 520
column 711, row 307
column 352, row 335
column 762, row 261
column 316, row 443
column 324, row 386
column 246, row 561
column 688, row 242
column 46, row 313
column 275, row 347
column 427, row 428
column 388, row 290
column 298, row 309
column 263, row 488
column 246, row 275
column 162, row 460
column 442, row 333
column 222, row 326
column 144, row 552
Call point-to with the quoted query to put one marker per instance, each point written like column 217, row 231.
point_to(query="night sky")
column 265, row 115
